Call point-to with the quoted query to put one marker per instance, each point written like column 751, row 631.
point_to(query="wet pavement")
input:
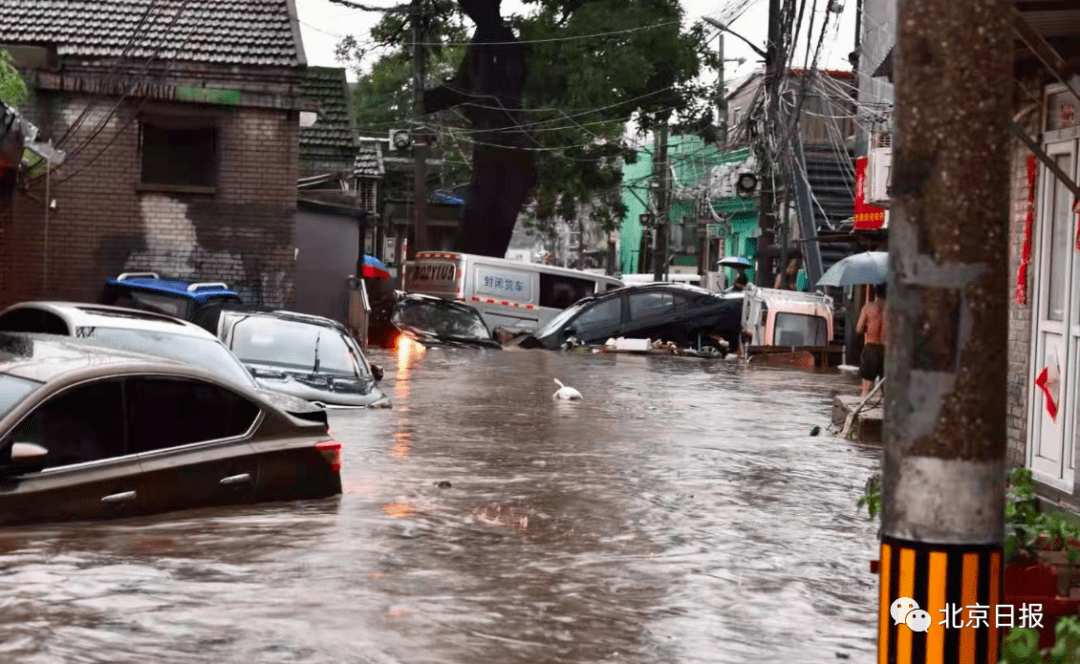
column 680, row 513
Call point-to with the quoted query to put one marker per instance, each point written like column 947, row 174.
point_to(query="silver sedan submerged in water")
column 309, row 357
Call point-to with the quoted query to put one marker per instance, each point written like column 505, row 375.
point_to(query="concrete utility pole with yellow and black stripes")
column 947, row 325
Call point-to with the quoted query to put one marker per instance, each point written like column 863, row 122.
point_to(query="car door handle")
column 119, row 497
column 236, row 479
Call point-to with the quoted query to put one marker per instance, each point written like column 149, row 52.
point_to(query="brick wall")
column 1019, row 315
column 102, row 224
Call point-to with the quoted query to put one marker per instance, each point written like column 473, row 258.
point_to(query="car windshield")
column 210, row 354
column 441, row 319
column 13, row 390
column 295, row 345
column 560, row 319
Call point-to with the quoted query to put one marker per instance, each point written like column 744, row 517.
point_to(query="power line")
column 110, row 75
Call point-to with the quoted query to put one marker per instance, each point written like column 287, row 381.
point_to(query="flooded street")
column 680, row 513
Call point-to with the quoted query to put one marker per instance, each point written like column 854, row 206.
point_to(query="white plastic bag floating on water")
column 566, row 392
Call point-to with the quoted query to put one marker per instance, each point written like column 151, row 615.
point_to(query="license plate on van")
column 433, row 273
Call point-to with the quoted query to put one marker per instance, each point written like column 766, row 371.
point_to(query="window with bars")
column 366, row 191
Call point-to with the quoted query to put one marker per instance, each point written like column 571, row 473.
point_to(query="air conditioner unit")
column 878, row 174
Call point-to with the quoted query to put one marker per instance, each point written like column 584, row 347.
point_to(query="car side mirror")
column 377, row 372
column 27, row 457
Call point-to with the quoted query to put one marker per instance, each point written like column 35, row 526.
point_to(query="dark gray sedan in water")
column 685, row 315
column 88, row 432
column 433, row 321
column 306, row 356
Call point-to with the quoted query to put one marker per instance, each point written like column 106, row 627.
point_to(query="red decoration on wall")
column 1029, row 221
column 1076, row 211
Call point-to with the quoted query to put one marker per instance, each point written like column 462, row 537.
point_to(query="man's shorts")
column 873, row 362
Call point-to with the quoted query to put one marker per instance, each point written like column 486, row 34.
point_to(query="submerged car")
column 685, row 315
column 309, row 357
column 433, row 321
column 94, row 433
column 178, row 298
column 140, row 332
column 131, row 330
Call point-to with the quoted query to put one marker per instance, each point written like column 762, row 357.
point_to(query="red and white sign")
column 867, row 217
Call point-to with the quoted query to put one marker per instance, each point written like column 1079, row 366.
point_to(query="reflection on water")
column 679, row 513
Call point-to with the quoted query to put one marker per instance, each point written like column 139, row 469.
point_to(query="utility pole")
column 721, row 105
column 581, row 243
column 767, row 200
column 419, row 143
column 660, row 169
column 943, row 480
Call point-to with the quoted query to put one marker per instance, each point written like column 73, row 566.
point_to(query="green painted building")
column 692, row 162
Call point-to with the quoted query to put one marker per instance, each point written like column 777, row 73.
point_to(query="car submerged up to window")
column 685, row 315
column 309, row 357
column 178, row 298
column 128, row 329
column 433, row 321
column 93, row 433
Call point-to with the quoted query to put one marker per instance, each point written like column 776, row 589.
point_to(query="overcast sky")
column 323, row 23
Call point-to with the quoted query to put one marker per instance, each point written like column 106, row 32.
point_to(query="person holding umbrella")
column 872, row 325
column 740, row 265
column 870, row 267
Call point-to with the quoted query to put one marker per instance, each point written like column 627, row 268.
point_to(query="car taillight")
column 331, row 451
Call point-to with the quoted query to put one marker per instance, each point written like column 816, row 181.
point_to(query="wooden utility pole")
column 943, row 480
column 419, row 143
column 660, row 170
column 767, row 200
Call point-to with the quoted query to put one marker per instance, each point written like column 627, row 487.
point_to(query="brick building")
column 180, row 120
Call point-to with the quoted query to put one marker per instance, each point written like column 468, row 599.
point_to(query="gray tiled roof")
column 234, row 32
column 369, row 160
column 331, row 138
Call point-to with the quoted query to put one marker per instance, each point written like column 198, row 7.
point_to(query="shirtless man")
column 872, row 324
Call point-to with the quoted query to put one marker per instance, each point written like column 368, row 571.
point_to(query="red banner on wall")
column 1029, row 221
column 867, row 217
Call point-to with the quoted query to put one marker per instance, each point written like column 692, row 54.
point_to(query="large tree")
column 593, row 65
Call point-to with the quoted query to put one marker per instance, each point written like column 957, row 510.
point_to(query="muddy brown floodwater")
column 680, row 513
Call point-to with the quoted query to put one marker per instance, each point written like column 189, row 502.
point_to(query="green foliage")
column 1021, row 646
column 1025, row 525
column 871, row 498
column 13, row 90
column 579, row 95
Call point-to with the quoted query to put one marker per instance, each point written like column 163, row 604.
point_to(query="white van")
column 510, row 294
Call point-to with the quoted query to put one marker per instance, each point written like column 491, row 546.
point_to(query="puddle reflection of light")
column 398, row 509
column 409, row 353
column 401, row 447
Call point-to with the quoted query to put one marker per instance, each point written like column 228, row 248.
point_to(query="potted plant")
column 1049, row 538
